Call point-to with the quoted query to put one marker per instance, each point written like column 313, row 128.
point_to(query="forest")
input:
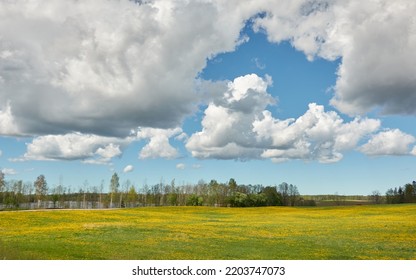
column 16, row 194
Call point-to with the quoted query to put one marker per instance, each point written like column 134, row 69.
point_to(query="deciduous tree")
column 41, row 188
column 114, row 185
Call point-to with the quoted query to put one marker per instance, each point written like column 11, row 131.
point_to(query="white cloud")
column 180, row 166
column 309, row 25
column 128, row 168
column 316, row 135
column 389, row 142
column 158, row 145
column 233, row 130
column 227, row 124
column 1, row 153
column 8, row 171
column 75, row 146
column 375, row 39
column 7, row 123
column 259, row 64
column 106, row 67
column 109, row 151
column 413, row 152
column 378, row 71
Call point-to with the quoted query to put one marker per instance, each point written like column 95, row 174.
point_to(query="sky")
column 320, row 94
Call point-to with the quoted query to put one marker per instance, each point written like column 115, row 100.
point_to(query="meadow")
column 347, row 232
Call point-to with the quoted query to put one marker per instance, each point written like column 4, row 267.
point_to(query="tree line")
column 402, row 194
column 16, row 194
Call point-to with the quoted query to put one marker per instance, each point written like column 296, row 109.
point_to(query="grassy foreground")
column 353, row 232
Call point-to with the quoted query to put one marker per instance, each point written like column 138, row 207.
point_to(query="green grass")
column 350, row 232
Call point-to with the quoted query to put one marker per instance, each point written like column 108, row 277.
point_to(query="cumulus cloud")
column 374, row 39
column 128, row 168
column 227, row 124
column 106, row 67
column 158, row 145
column 180, row 166
column 7, row 124
column 75, row 146
column 316, row 135
column 389, row 142
column 308, row 25
column 413, row 152
column 233, row 130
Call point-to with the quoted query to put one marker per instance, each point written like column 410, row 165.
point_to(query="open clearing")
column 350, row 232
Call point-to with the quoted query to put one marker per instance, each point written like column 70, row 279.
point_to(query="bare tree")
column 293, row 194
column 376, row 197
column 284, row 192
column 124, row 191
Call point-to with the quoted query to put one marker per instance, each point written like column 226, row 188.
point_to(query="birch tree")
column 41, row 188
column 114, row 185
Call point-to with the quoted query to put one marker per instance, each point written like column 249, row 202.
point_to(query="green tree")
column 214, row 193
column 132, row 197
column 409, row 191
column 194, row 200
column 272, row 196
column 390, row 196
column 173, row 193
column 240, row 199
column 124, row 192
column 41, row 188
column 18, row 193
column 114, row 185
column 2, row 182
column 2, row 186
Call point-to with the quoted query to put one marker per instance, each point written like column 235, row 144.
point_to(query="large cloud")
column 227, row 124
column 106, row 67
column 233, row 130
column 316, row 135
column 375, row 39
column 79, row 69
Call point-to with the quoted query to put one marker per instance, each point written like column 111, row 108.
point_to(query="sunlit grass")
column 356, row 232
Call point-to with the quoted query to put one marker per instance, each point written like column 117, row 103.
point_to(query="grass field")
column 350, row 232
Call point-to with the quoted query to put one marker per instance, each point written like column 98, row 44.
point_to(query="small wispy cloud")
column 128, row 168
column 258, row 63
column 180, row 166
column 8, row 171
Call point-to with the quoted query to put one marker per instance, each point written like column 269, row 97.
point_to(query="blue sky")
column 319, row 94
